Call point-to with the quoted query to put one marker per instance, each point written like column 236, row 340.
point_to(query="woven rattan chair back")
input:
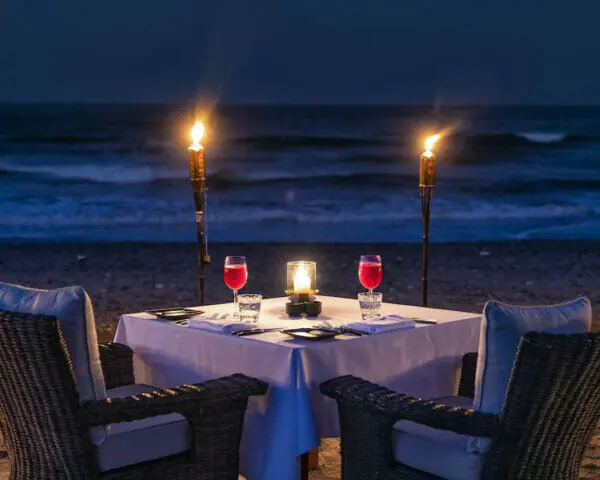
column 551, row 411
column 39, row 402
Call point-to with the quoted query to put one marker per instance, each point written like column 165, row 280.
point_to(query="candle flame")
column 301, row 279
column 431, row 141
column 197, row 133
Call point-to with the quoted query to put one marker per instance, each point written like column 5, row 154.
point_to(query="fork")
column 327, row 324
column 343, row 329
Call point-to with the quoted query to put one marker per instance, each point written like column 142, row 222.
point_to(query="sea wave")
column 514, row 139
column 227, row 179
column 543, row 137
column 63, row 139
column 120, row 174
column 222, row 178
column 520, row 139
column 542, row 185
column 72, row 214
column 274, row 142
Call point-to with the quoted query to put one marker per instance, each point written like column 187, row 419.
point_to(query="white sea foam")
column 543, row 137
column 97, row 172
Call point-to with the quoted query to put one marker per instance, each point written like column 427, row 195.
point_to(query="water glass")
column 370, row 305
column 249, row 307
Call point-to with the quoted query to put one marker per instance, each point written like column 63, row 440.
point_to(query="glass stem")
column 370, row 291
column 236, row 307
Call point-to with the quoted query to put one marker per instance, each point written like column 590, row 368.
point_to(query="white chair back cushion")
column 501, row 331
column 73, row 309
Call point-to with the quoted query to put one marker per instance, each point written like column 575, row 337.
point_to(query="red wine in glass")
column 370, row 271
column 235, row 276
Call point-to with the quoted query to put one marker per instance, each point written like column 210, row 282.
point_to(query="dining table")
column 290, row 420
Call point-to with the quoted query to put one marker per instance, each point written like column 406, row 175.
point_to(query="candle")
column 427, row 163
column 301, row 281
column 302, row 288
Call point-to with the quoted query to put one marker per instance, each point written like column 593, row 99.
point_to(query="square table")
column 292, row 418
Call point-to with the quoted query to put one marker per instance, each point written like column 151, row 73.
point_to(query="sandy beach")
column 128, row 277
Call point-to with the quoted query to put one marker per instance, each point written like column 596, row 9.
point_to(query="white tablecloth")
column 293, row 416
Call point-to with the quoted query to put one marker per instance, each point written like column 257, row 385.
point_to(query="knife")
column 352, row 331
column 423, row 320
column 255, row 331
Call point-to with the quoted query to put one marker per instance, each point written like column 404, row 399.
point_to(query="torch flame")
column 197, row 133
column 430, row 142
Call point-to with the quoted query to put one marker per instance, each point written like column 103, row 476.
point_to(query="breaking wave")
column 121, row 174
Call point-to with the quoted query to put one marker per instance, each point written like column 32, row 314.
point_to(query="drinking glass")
column 235, row 276
column 249, row 304
column 370, row 271
column 370, row 305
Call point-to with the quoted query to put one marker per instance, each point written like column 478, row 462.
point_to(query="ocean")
column 284, row 173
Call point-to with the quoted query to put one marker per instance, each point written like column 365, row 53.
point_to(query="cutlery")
column 423, row 320
column 343, row 329
column 327, row 324
column 352, row 331
column 255, row 331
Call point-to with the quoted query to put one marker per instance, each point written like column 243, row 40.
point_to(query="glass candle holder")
column 301, row 281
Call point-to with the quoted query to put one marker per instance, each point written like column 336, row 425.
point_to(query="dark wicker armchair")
column 47, row 428
column 551, row 410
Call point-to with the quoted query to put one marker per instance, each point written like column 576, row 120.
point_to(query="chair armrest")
column 189, row 400
column 374, row 398
column 117, row 364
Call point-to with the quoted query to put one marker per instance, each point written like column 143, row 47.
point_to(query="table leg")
column 313, row 459
column 308, row 461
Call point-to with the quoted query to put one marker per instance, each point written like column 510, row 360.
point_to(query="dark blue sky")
column 302, row 51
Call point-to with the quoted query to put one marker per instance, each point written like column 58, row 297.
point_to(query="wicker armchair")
column 47, row 428
column 551, row 410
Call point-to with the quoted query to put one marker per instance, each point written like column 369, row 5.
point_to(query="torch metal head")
column 196, row 164
column 427, row 170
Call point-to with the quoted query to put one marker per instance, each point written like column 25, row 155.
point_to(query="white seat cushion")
column 439, row 452
column 140, row 441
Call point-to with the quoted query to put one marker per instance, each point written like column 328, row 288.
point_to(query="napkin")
column 386, row 323
column 217, row 326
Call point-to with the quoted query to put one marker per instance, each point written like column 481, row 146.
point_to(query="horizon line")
column 299, row 105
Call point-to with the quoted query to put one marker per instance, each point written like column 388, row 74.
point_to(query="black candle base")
column 294, row 309
column 303, row 297
column 310, row 309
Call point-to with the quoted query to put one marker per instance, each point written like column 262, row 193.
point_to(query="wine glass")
column 235, row 276
column 370, row 271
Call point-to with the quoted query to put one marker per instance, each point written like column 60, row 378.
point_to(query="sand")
column 130, row 277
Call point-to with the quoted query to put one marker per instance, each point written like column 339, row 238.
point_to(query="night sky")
column 301, row 51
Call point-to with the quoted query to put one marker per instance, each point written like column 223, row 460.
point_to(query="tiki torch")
column 426, row 187
column 198, row 179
